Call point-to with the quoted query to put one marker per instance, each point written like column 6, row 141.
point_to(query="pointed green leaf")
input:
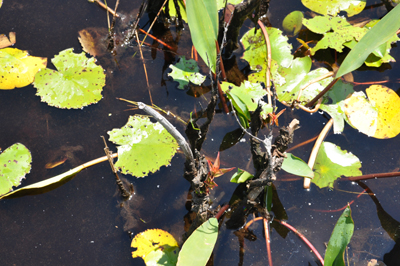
column 197, row 249
column 15, row 163
column 296, row 166
column 77, row 83
column 332, row 163
column 203, row 24
column 144, row 146
column 333, row 7
column 382, row 32
column 185, row 71
column 241, row 176
column 340, row 238
column 45, row 185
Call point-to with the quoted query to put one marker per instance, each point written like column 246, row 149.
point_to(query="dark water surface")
column 82, row 222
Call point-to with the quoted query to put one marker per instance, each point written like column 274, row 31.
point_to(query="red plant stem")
column 322, row 93
column 267, row 241
column 222, row 211
column 221, row 64
column 155, row 38
column 369, row 176
column 344, row 207
column 221, row 95
column 302, row 237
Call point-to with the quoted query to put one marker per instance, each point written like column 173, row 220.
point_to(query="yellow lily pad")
column 18, row 68
column 379, row 117
column 156, row 247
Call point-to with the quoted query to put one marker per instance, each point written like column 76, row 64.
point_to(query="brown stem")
column 370, row 176
column 221, row 64
column 322, row 93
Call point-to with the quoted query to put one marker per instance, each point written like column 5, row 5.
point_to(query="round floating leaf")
column 297, row 76
column 379, row 117
column 340, row 238
column 18, row 68
column 256, row 51
column 197, row 249
column 15, row 163
column 333, row 7
column 185, row 71
column 144, row 146
column 156, row 247
column 77, row 83
column 293, row 22
column 332, row 163
column 296, row 166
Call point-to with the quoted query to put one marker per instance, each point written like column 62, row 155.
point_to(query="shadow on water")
column 85, row 222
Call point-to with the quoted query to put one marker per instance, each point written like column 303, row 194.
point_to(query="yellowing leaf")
column 156, row 247
column 379, row 117
column 18, row 68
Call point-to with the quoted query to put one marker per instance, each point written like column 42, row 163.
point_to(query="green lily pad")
column 256, row 52
column 293, row 22
column 77, row 83
column 18, row 68
column 340, row 238
column 336, row 31
column 157, row 247
column 296, row 166
column 185, row 71
column 241, row 176
column 197, row 249
column 297, row 76
column 332, row 163
column 144, row 146
column 15, row 163
column 333, row 7
column 249, row 93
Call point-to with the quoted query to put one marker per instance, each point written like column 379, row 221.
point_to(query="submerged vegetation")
column 317, row 77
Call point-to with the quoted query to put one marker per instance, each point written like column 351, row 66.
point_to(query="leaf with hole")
column 18, row 68
column 15, row 163
column 144, row 146
column 331, row 163
column 156, row 247
column 185, row 71
column 77, row 83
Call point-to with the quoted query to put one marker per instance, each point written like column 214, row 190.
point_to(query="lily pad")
column 197, row 249
column 336, row 31
column 256, row 51
column 289, row 81
column 156, row 247
column 77, row 83
column 144, row 146
column 185, row 71
column 15, row 163
column 333, row 7
column 340, row 238
column 249, row 93
column 379, row 117
column 332, row 163
column 18, row 68
column 293, row 22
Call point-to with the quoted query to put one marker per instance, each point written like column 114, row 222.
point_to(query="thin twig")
column 322, row 93
column 311, row 111
column 155, row 38
column 154, row 21
column 314, row 152
column 327, row 75
column 369, row 176
column 105, row 7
